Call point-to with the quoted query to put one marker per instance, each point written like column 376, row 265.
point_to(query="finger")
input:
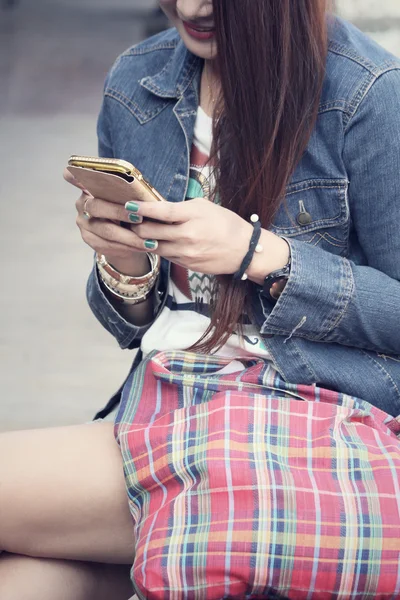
column 102, row 209
column 167, row 212
column 80, row 203
column 172, row 252
column 163, row 231
column 105, row 247
column 112, row 233
column 69, row 178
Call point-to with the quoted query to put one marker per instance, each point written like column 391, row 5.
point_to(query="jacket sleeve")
column 328, row 298
column 126, row 334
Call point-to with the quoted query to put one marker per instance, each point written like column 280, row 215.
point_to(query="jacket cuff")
column 315, row 298
column 126, row 334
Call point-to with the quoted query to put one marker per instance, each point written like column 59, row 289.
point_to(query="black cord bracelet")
column 241, row 273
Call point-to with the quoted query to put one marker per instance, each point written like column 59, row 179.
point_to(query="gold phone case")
column 112, row 179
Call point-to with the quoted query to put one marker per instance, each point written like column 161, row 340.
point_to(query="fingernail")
column 132, row 206
column 151, row 244
column 135, row 218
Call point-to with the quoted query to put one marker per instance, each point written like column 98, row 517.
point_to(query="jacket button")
column 304, row 218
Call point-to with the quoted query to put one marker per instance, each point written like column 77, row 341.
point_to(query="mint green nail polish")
column 132, row 206
column 151, row 244
column 135, row 218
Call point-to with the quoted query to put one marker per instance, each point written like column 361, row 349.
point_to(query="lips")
column 199, row 32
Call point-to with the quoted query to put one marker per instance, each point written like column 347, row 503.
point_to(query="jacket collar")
column 176, row 76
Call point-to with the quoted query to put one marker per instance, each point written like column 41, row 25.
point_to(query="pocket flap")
column 311, row 205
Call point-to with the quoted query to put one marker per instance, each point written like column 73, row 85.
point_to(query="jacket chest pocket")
column 316, row 212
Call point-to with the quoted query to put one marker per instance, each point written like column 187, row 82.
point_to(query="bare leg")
column 46, row 579
column 62, row 496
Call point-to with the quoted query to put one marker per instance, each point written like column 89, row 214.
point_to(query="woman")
column 265, row 459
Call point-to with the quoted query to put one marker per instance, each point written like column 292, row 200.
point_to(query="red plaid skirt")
column 242, row 486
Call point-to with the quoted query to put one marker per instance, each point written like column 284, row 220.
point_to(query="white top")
column 184, row 317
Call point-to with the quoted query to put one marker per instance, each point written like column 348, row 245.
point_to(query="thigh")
column 62, row 495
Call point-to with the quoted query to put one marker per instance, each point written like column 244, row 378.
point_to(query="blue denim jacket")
column 337, row 322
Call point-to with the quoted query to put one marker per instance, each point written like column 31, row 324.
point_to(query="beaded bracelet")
column 253, row 247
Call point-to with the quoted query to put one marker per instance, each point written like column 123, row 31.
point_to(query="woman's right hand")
column 103, row 232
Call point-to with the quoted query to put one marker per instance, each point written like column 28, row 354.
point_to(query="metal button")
column 304, row 218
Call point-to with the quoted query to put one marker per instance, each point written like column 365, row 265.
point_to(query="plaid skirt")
column 243, row 486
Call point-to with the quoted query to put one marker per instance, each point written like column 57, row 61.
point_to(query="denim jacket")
column 337, row 323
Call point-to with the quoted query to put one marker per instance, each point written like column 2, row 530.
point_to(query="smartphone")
column 112, row 179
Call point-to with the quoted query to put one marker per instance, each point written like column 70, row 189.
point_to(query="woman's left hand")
column 199, row 235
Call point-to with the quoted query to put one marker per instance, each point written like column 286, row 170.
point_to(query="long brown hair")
column 271, row 65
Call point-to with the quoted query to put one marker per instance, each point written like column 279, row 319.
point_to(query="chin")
column 206, row 50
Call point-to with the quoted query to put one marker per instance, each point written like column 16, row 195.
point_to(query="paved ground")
column 56, row 364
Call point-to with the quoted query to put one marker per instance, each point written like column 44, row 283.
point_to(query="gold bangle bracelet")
column 128, row 299
column 128, row 279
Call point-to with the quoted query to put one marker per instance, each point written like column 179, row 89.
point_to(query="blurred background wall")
column 57, row 365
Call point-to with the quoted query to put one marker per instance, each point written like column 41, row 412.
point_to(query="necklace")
column 212, row 98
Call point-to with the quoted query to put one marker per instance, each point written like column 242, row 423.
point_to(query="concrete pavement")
column 57, row 366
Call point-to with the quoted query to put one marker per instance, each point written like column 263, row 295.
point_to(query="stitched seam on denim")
column 272, row 356
column 314, row 224
column 374, row 69
column 139, row 50
column 333, row 318
column 336, row 103
column 157, row 91
column 347, row 293
column 383, row 370
column 130, row 337
column 338, row 219
column 188, row 114
column 187, row 78
column 333, row 109
column 362, row 93
column 329, row 237
column 120, row 97
column 315, row 187
column 347, row 204
column 130, row 105
column 357, row 99
column 115, row 330
column 115, row 94
column 334, row 242
column 302, row 230
column 338, row 186
column 297, row 350
column 333, row 105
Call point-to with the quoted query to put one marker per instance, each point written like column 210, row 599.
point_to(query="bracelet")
column 130, row 290
column 118, row 277
column 253, row 247
column 131, row 298
column 275, row 282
